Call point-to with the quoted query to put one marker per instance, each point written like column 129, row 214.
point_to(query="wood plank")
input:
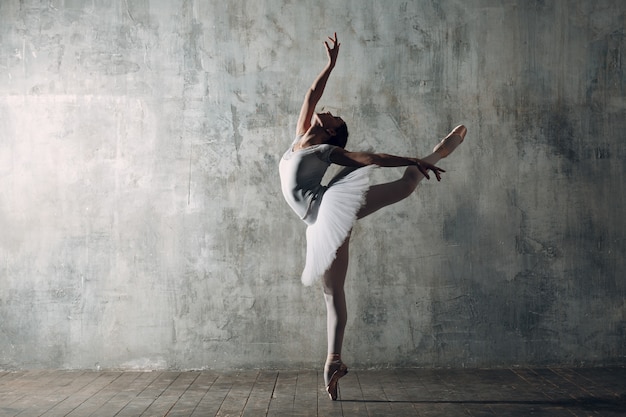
column 237, row 397
column 82, row 387
column 610, row 379
column 591, row 398
column 395, row 392
column 596, row 393
column 554, row 384
column 499, row 385
column 67, row 396
column 13, row 399
column 48, row 392
column 11, row 388
column 432, row 395
column 259, row 400
column 539, row 388
column 170, row 396
column 19, row 403
column 190, row 399
column 123, row 395
column 553, row 392
column 552, row 398
column 375, row 399
column 101, row 396
column 148, row 394
column 283, row 398
column 305, row 399
column 215, row 396
column 466, row 390
column 351, row 394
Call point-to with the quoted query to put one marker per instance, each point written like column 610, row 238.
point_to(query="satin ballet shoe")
column 333, row 384
column 450, row 142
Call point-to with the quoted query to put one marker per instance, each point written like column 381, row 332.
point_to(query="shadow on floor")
column 617, row 403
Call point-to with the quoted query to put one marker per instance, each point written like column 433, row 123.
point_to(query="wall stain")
column 516, row 257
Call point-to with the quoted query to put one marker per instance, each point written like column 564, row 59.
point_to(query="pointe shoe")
column 333, row 382
column 450, row 142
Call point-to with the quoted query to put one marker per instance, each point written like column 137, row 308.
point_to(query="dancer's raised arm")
column 316, row 90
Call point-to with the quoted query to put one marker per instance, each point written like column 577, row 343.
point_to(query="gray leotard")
column 329, row 211
column 301, row 174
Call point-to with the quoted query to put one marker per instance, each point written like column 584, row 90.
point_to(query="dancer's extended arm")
column 316, row 90
column 340, row 156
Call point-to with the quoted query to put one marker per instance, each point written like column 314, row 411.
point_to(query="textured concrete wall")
column 141, row 222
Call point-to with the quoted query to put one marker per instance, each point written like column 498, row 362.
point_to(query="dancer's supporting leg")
column 336, row 317
column 333, row 281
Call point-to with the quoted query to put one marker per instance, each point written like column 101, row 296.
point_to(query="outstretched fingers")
column 334, row 51
column 334, row 41
column 424, row 167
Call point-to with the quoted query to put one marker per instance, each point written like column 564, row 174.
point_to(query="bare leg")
column 334, row 295
column 336, row 317
column 382, row 195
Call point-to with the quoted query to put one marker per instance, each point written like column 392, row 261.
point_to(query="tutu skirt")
column 336, row 216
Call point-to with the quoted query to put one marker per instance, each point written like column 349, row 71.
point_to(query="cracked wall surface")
column 142, row 223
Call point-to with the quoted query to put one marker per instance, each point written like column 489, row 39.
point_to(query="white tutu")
column 336, row 216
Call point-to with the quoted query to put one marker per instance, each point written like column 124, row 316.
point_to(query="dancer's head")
column 334, row 126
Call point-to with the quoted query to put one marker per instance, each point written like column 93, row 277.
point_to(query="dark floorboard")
column 552, row 392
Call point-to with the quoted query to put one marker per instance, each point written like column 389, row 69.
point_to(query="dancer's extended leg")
column 382, row 195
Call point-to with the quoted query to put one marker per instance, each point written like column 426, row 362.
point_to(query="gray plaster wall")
column 141, row 220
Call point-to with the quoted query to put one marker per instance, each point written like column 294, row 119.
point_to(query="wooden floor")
column 406, row 392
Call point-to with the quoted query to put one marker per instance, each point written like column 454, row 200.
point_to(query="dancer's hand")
column 314, row 94
column 334, row 51
column 424, row 167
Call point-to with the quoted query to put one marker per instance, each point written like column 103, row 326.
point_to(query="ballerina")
column 330, row 211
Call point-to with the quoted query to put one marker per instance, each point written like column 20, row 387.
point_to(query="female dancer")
column 330, row 211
